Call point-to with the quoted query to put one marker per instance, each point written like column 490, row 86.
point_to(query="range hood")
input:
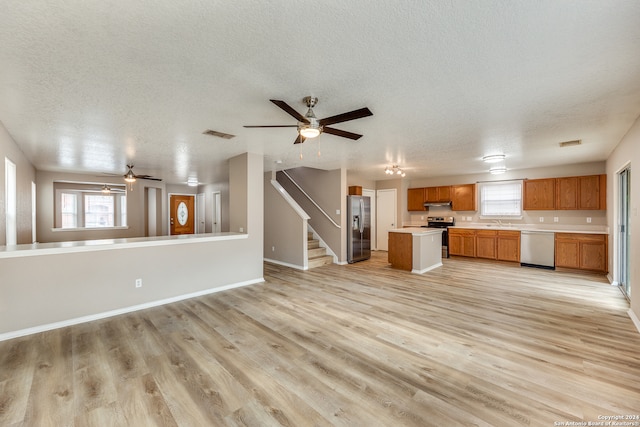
column 431, row 204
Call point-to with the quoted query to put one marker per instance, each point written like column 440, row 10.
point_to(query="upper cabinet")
column 567, row 193
column 539, row 194
column 582, row 192
column 463, row 197
column 438, row 194
column 416, row 199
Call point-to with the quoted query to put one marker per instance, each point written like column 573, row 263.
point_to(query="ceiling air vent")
column 218, row 134
column 571, row 143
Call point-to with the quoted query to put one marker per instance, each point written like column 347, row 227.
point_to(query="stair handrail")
column 310, row 199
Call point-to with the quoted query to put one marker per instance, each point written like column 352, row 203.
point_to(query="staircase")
column 316, row 255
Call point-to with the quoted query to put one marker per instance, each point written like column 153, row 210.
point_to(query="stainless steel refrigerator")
column 359, row 233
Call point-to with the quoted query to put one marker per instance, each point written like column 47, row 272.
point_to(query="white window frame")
column 82, row 189
column 486, row 188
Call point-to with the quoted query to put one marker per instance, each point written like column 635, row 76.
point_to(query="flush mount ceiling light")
column 192, row 182
column 498, row 170
column 493, row 158
column 394, row 170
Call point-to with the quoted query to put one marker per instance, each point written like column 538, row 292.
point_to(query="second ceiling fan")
column 310, row 127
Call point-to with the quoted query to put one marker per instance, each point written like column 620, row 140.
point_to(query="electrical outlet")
column 469, row 218
column 588, row 220
column 555, row 219
column 242, row 229
column 541, row 219
column 422, row 217
column 337, row 211
column 273, row 248
column 138, row 283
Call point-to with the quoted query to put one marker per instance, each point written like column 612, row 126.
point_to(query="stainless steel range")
column 442, row 222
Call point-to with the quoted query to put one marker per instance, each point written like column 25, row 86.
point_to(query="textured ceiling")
column 89, row 86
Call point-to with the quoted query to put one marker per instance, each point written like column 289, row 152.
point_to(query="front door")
column 182, row 214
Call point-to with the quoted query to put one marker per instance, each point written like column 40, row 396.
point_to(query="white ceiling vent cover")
column 571, row 143
column 218, row 134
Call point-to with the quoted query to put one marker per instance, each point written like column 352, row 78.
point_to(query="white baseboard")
column 286, row 264
column 634, row 319
column 424, row 270
column 111, row 313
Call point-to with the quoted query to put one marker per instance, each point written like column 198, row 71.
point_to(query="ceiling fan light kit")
column 394, row 170
column 310, row 127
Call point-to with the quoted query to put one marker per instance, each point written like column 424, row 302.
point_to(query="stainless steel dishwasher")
column 537, row 249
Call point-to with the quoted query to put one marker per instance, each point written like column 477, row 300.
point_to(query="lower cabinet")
column 582, row 251
column 462, row 242
column 502, row 245
column 487, row 244
column 509, row 245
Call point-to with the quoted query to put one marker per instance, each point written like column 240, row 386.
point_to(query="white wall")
column 626, row 153
column 285, row 231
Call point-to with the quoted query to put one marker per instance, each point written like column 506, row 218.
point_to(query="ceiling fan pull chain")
column 319, row 147
column 300, row 151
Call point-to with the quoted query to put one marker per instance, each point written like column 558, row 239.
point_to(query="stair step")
column 313, row 243
column 310, row 235
column 321, row 260
column 316, row 252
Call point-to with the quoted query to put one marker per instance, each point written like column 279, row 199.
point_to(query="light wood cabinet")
column 463, row 197
column 462, row 242
column 502, row 245
column 416, row 199
column 539, row 194
column 438, row 194
column 582, row 251
column 508, row 245
column 400, row 254
column 581, row 192
column 487, row 244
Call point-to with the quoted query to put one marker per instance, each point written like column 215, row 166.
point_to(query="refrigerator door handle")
column 361, row 213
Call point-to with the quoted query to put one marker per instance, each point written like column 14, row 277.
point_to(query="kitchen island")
column 415, row 249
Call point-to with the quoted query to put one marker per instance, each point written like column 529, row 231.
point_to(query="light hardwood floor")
column 470, row 343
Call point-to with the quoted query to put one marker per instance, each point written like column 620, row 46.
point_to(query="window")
column 69, row 210
column 85, row 205
column 501, row 199
column 98, row 211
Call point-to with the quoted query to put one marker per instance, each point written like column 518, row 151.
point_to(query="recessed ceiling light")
column 498, row 170
column 493, row 158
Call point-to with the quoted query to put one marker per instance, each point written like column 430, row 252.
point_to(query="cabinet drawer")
column 487, row 233
column 509, row 233
column 582, row 237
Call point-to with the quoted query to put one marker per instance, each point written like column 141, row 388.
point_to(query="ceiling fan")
column 131, row 177
column 310, row 127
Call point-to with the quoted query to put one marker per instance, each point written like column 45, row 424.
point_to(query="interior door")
column 181, row 214
column 217, row 225
column 387, row 208
column 200, row 209
column 624, row 232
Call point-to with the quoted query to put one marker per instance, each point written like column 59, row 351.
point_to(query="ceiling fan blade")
column 272, row 126
column 148, row 177
column 300, row 139
column 342, row 133
column 345, row 117
column 293, row 113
